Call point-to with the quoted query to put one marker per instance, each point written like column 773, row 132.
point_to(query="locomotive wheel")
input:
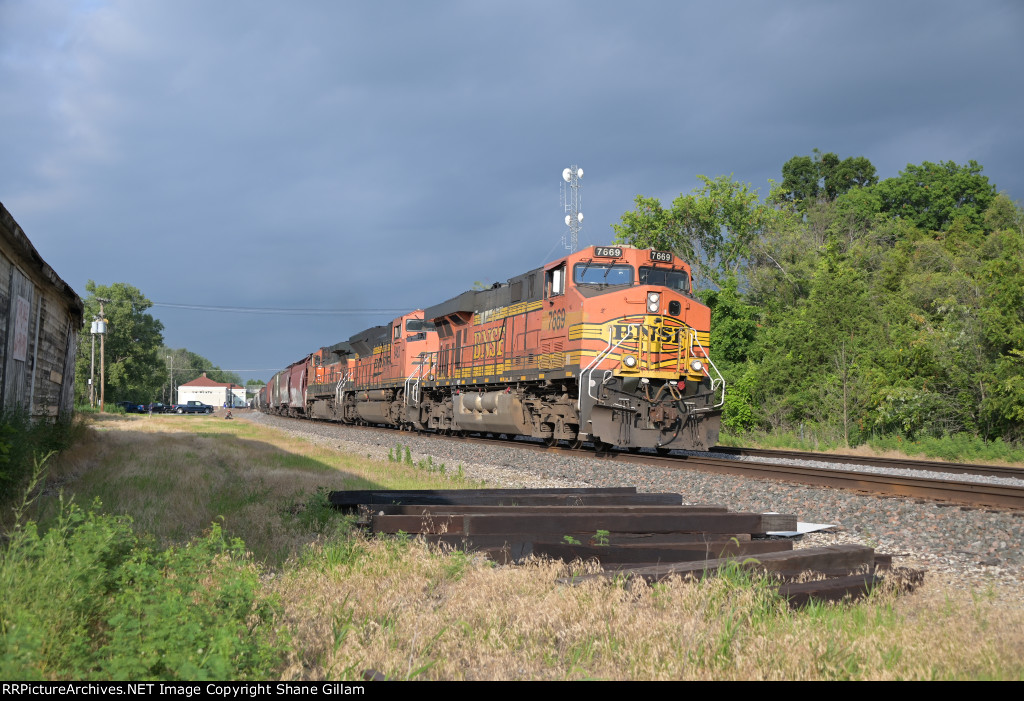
column 551, row 441
column 575, row 444
column 602, row 447
column 663, row 451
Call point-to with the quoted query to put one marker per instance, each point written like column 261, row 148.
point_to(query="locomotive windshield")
column 672, row 279
column 602, row 274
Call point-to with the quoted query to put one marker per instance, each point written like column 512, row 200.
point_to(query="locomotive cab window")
column 602, row 274
column 676, row 280
column 556, row 281
column 419, row 325
column 418, row 329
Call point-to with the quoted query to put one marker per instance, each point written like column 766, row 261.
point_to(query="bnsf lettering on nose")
column 486, row 343
column 662, row 334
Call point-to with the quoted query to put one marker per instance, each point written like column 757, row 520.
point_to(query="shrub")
column 116, row 608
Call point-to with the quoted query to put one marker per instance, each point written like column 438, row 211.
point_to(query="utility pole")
column 170, row 394
column 92, row 364
column 103, row 335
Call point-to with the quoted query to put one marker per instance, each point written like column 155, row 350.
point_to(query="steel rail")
column 975, row 494
column 957, row 491
column 875, row 461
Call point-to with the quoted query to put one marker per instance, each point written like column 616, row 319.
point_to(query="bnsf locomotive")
column 606, row 345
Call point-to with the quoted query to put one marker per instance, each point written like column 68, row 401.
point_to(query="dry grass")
column 351, row 603
column 408, row 612
column 174, row 475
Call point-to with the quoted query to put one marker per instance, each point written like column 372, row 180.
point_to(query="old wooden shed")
column 40, row 317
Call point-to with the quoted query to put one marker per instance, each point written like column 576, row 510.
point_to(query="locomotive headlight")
column 653, row 301
column 629, row 361
column 696, row 366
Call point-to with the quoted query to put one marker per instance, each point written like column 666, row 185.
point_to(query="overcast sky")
column 356, row 155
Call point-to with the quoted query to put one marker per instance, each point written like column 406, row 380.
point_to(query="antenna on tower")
column 570, row 188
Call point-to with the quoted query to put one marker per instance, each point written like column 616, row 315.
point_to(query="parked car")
column 192, row 407
column 132, row 407
column 158, row 408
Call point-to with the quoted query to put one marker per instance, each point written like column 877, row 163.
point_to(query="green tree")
column 134, row 370
column 1001, row 277
column 932, row 195
column 800, row 180
column 807, row 179
column 720, row 226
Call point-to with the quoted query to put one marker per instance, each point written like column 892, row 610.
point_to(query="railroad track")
column 979, row 494
column 965, row 492
column 873, row 461
column 727, row 461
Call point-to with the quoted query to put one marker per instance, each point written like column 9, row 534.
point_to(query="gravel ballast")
column 980, row 546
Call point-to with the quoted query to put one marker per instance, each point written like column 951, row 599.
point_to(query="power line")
column 276, row 310
column 176, row 369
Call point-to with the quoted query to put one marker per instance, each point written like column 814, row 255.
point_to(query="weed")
column 427, row 649
column 118, row 609
column 23, row 439
column 30, row 493
column 455, row 564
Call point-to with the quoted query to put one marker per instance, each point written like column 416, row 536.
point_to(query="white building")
column 216, row 394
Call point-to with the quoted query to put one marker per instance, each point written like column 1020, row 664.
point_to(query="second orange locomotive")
column 607, row 345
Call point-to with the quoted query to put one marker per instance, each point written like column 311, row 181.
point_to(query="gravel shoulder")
column 956, row 545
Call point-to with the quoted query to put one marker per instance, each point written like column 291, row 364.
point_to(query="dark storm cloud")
column 349, row 155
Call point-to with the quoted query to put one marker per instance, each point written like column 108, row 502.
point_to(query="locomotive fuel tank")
column 491, row 412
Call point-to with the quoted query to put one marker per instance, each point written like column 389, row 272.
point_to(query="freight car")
column 606, row 345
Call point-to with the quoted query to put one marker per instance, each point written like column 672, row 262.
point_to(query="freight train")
column 606, row 345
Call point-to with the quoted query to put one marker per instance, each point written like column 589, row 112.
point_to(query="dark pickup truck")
column 192, row 407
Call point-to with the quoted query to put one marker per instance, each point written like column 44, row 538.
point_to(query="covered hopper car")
column 606, row 345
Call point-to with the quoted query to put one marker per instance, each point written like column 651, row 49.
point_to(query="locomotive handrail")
column 718, row 384
column 341, row 383
column 412, row 382
column 339, row 389
column 598, row 358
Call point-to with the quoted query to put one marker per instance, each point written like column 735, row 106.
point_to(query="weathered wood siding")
column 40, row 316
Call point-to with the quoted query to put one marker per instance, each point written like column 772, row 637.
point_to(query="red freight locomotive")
column 606, row 345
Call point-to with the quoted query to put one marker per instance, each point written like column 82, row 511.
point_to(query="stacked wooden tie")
column 651, row 536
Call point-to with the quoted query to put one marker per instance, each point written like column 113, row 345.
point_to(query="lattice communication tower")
column 571, row 204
